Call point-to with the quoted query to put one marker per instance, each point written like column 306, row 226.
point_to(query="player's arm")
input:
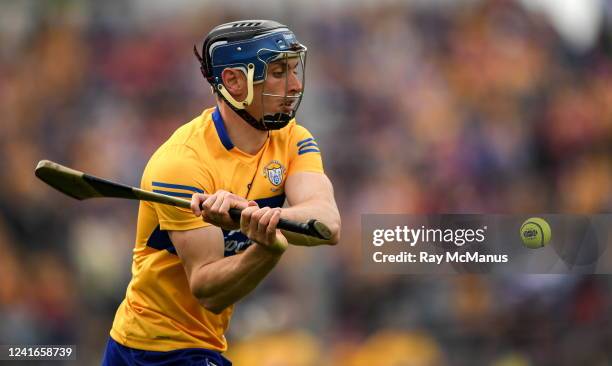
column 217, row 281
column 311, row 195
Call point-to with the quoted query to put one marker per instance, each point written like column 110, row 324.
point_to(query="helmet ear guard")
column 250, row 46
column 249, row 98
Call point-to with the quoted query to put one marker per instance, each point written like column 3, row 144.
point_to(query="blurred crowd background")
column 419, row 107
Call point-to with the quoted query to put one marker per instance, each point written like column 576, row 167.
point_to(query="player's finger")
column 274, row 218
column 226, row 205
column 265, row 219
column 245, row 218
column 239, row 202
column 232, row 200
column 256, row 217
column 221, row 197
column 208, row 203
column 196, row 200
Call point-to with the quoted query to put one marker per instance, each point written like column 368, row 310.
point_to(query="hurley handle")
column 313, row 227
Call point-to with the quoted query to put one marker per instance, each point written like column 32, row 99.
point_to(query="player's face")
column 280, row 92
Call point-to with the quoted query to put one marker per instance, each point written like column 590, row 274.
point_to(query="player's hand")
column 214, row 208
column 259, row 225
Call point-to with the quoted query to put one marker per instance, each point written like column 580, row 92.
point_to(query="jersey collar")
column 221, row 131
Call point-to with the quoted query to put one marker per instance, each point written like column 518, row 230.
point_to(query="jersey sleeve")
column 305, row 154
column 177, row 171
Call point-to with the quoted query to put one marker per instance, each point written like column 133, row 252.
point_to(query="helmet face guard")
column 282, row 93
column 254, row 47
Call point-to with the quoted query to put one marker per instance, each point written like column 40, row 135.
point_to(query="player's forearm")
column 322, row 210
column 223, row 283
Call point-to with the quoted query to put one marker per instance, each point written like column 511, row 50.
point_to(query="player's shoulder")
column 191, row 133
column 176, row 165
column 185, row 150
column 172, row 161
column 188, row 140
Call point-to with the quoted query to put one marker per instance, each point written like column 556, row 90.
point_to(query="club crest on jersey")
column 274, row 171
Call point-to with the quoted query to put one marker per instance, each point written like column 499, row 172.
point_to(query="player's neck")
column 245, row 137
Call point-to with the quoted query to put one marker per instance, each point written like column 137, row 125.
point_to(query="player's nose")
column 295, row 84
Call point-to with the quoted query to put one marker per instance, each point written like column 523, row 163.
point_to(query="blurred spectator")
column 294, row 348
column 395, row 348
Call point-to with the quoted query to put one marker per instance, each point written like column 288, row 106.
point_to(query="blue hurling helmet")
column 250, row 45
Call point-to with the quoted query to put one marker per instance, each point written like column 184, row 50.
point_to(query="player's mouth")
column 288, row 103
column 287, row 106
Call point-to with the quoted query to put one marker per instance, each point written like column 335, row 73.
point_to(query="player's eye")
column 278, row 74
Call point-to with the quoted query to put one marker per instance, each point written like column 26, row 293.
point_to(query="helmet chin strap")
column 239, row 107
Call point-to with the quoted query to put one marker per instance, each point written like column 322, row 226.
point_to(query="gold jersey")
column 159, row 313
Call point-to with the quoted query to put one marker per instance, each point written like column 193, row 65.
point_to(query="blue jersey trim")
column 221, row 131
column 308, row 150
column 173, row 194
column 160, row 240
column 313, row 144
column 304, row 141
column 276, row 201
column 177, row 186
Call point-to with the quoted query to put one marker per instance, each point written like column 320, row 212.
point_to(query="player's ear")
column 235, row 82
